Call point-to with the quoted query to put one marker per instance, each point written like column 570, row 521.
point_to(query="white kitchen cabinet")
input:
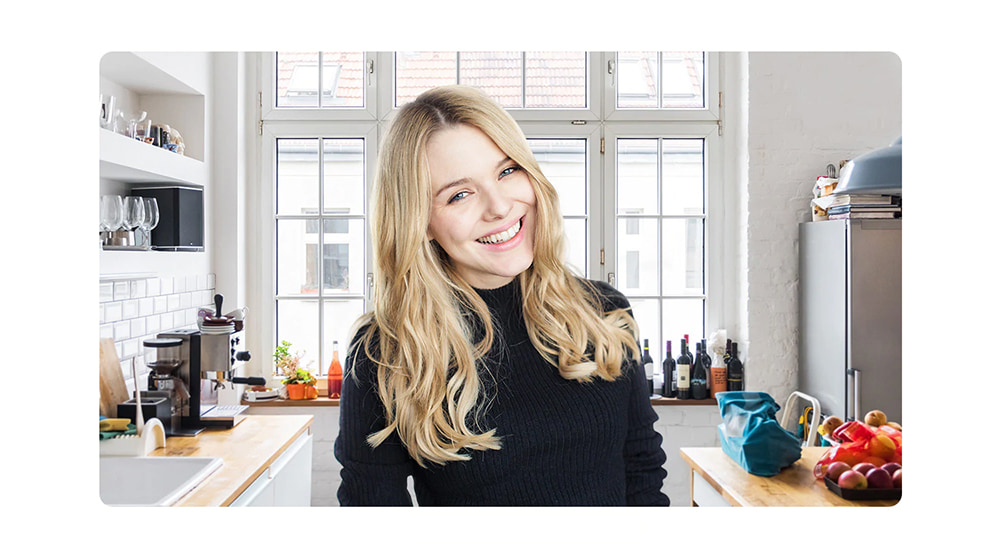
column 286, row 482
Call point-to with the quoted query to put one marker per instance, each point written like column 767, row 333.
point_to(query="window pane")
column 576, row 244
column 338, row 317
column 646, row 245
column 683, row 81
column 683, row 256
column 555, row 79
column 497, row 74
column 343, row 79
column 297, row 79
column 647, row 315
column 683, row 316
column 298, row 323
column 343, row 256
column 683, row 176
column 417, row 72
column 637, row 79
column 344, row 175
column 297, row 263
column 564, row 164
column 636, row 190
column 297, row 175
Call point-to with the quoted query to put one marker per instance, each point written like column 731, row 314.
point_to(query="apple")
column 835, row 469
column 897, row 478
column 852, row 479
column 892, row 467
column 875, row 418
column 879, row 478
column 863, row 468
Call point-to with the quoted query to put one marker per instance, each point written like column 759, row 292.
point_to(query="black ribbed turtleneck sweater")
column 563, row 442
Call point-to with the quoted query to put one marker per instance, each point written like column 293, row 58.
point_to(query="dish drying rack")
column 152, row 436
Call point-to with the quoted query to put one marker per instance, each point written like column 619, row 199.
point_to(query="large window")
column 629, row 140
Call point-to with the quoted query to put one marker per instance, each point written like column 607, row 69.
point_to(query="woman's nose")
column 498, row 204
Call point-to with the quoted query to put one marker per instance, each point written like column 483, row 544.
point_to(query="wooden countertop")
column 794, row 486
column 246, row 450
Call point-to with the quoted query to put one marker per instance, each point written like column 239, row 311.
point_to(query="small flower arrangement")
column 287, row 364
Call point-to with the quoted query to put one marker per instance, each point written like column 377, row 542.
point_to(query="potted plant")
column 301, row 385
column 298, row 382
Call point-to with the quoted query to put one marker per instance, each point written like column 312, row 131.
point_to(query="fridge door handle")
column 852, row 394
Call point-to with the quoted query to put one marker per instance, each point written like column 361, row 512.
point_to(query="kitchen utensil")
column 140, row 422
column 112, row 382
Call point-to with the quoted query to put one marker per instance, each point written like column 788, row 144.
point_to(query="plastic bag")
column 860, row 443
column 751, row 435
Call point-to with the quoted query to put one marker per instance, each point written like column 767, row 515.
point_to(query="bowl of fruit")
column 865, row 460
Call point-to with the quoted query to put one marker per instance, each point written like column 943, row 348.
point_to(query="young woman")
column 487, row 371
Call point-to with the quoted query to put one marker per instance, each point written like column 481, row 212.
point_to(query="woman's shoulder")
column 609, row 297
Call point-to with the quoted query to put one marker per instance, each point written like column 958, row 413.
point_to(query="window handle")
column 611, row 279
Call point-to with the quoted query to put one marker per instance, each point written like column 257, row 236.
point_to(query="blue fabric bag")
column 751, row 435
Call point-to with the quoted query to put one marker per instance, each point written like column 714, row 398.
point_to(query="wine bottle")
column 669, row 375
column 734, row 371
column 705, row 356
column 729, row 350
column 334, row 375
column 684, row 372
column 699, row 377
column 647, row 365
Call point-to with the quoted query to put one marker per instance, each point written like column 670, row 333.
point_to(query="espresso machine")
column 191, row 365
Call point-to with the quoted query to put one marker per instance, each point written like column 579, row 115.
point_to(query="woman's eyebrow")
column 463, row 180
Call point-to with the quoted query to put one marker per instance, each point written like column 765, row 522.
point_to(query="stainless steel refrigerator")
column 850, row 316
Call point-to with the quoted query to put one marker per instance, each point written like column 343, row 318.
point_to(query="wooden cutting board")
column 113, row 389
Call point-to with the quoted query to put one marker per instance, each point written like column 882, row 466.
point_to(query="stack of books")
column 860, row 206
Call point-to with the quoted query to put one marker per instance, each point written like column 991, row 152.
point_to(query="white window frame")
column 601, row 123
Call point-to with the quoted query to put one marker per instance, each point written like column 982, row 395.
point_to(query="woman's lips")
column 510, row 243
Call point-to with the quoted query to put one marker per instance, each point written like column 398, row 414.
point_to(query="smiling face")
column 482, row 207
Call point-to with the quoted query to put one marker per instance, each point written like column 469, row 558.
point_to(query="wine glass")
column 112, row 214
column 134, row 119
column 134, row 213
column 150, row 219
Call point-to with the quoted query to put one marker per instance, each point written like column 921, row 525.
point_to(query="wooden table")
column 246, row 451
column 794, row 486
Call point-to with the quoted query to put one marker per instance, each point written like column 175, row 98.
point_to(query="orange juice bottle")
column 335, row 374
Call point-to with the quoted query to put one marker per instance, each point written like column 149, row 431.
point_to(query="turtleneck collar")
column 504, row 297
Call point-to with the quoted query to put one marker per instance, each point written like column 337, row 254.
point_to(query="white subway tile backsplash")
column 130, row 309
column 152, row 286
column 112, row 312
column 153, row 324
column 121, row 290
column 138, row 288
column 121, row 332
column 146, row 307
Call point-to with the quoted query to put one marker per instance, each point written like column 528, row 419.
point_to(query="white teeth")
column 502, row 236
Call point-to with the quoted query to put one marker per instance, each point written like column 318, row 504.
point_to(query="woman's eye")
column 458, row 196
column 509, row 170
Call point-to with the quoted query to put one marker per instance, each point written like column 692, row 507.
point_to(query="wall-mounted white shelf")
column 130, row 161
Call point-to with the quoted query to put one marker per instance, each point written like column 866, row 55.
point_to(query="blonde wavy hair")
column 419, row 331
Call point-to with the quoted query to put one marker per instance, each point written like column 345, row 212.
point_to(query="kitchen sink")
column 152, row 481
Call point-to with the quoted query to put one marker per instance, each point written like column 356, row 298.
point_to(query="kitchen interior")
column 182, row 290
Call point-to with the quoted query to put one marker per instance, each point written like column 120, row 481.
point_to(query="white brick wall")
column 805, row 110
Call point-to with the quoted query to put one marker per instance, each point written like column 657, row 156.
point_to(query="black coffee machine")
column 191, row 364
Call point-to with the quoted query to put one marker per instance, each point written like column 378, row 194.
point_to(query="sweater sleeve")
column 369, row 476
column 644, row 455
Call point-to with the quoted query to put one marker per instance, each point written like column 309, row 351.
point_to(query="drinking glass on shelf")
column 134, row 119
column 150, row 219
column 134, row 213
column 112, row 214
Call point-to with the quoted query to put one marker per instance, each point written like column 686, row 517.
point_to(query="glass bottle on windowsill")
column 334, row 375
